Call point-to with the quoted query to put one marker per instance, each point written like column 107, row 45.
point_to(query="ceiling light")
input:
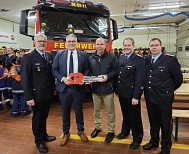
column 163, row 7
column 145, row 27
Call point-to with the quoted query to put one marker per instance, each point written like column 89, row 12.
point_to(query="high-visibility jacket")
column 3, row 78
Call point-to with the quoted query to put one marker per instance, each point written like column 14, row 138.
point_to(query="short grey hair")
column 70, row 36
column 40, row 34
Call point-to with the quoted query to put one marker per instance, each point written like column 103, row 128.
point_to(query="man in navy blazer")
column 65, row 62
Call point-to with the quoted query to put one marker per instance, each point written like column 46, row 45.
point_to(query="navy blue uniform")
column 38, row 84
column 163, row 77
column 130, row 84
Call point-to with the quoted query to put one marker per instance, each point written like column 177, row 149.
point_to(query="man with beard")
column 38, row 85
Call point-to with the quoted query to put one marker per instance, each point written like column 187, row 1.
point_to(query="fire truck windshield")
column 85, row 25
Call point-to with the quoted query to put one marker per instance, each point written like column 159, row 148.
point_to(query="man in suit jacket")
column 129, row 88
column 65, row 62
column 163, row 76
column 38, row 85
column 10, row 59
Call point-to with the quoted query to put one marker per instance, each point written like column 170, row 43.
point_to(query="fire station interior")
column 141, row 20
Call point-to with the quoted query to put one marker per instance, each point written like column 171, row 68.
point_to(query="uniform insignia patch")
column 37, row 64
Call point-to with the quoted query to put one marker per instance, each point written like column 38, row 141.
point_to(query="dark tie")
column 43, row 55
column 126, row 57
column 71, row 63
column 152, row 62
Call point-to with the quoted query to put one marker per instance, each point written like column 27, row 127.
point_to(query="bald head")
column 100, row 45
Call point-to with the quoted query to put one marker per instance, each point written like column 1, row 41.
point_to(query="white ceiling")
column 115, row 6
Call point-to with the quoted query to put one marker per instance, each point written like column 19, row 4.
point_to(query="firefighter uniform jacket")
column 163, row 77
column 130, row 77
column 3, row 78
column 14, row 81
column 36, row 78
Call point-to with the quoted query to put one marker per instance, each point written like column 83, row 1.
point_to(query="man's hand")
column 31, row 103
column 65, row 80
column 105, row 78
column 134, row 101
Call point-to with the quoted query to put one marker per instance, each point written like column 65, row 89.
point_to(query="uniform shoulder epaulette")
column 138, row 55
column 26, row 53
column 170, row 55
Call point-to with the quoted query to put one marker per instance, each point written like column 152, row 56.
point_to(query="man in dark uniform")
column 38, row 85
column 129, row 87
column 163, row 77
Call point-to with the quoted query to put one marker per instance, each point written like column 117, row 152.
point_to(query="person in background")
column 163, row 77
column 2, row 57
column 104, row 64
column 38, row 85
column 129, row 87
column 3, row 85
column 10, row 59
column 120, row 52
column 4, row 51
column 65, row 62
column 14, row 85
column 22, row 52
column 17, row 53
column 116, row 52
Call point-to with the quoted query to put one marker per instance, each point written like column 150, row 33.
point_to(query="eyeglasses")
column 71, row 41
column 155, row 45
column 100, row 44
column 41, row 41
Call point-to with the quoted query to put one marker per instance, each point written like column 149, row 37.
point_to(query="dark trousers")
column 160, row 116
column 39, row 120
column 69, row 95
column 131, row 119
column 19, row 99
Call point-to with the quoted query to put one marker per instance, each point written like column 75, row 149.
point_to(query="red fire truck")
column 58, row 18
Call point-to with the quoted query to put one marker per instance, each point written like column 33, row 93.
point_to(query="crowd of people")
column 10, row 82
column 124, row 73
column 140, row 51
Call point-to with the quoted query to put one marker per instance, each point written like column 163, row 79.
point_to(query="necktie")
column 71, row 63
column 152, row 62
column 43, row 55
column 126, row 57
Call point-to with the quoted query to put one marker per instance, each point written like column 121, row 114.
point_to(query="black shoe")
column 134, row 145
column 15, row 115
column 122, row 136
column 150, row 146
column 49, row 138
column 26, row 113
column 109, row 137
column 42, row 148
column 95, row 133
